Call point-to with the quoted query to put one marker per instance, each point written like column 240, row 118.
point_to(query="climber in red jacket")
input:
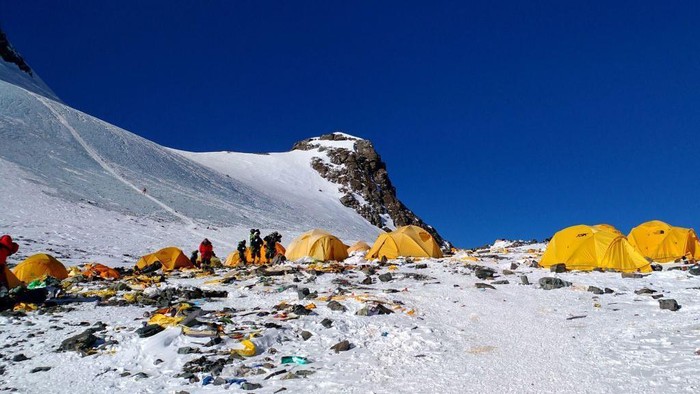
column 206, row 251
column 7, row 248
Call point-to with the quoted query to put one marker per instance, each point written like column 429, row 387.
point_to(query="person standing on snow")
column 7, row 248
column 206, row 251
column 271, row 245
column 241, row 252
column 255, row 244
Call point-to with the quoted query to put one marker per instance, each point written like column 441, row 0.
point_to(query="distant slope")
column 15, row 70
column 83, row 159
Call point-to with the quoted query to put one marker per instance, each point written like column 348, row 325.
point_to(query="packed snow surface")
column 445, row 335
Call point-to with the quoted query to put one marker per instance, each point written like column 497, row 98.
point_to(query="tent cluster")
column 602, row 246
column 320, row 245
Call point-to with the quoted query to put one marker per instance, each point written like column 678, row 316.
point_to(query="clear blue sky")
column 496, row 119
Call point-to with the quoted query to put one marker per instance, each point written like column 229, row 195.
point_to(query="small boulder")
column 558, row 268
column 595, row 290
column 484, row 273
column 328, row 323
column 549, row 283
column 336, row 306
column 421, row 266
column 386, row 277
column 342, row 346
column 367, row 280
column 524, row 280
column 250, row 386
column 644, row 290
column 500, row 282
column 306, row 335
column 484, row 286
column 19, row 357
column 80, row 343
column 149, row 330
column 669, row 304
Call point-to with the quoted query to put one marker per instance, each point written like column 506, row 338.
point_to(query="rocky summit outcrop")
column 10, row 55
column 362, row 178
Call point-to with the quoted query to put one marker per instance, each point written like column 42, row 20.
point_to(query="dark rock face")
column 361, row 172
column 10, row 55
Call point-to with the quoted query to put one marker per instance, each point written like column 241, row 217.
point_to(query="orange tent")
column 101, row 270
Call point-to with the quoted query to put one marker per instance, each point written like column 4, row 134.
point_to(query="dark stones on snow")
column 81, row 343
column 484, row 286
column 250, row 386
column 549, row 283
column 669, row 304
column 328, row 323
column 305, row 293
column 644, row 290
column 595, row 290
column 40, row 369
column 484, row 273
column 500, row 282
column 367, row 280
column 306, row 335
column 300, row 310
column 632, row 275
column 336, row 306
column 558, row 268
column 694, row 270
column 421, row 266
column 19, row 357
column 149, row 330
column 385, row 277
column 524, row 280
column 342, row 346
column 378, row 309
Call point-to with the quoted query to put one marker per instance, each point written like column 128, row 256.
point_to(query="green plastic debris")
column 295, row 360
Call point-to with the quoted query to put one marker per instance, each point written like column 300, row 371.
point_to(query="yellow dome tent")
column 359, row 246
column 12, row 280
column 665, row 243
column 39, row 266
column 171, row 258
column 319, row 245
column 588, row 247
column 406, row 241
column 233, row 260
column 608, row 227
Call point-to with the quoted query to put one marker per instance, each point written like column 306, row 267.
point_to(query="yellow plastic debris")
column 248, row 350
column 130, row 297
column 24, row 307
column 393, row 267
column 311, row 306
column 165, row 321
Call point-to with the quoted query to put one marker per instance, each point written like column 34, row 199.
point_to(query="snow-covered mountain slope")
column 15, row 70
column 79, row 159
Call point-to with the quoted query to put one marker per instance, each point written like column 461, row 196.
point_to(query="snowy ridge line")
column 191, row 224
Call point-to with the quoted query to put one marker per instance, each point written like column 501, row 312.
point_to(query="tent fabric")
column 319, row 245
column 12, row 280
column 608, row 227
column 406, row 241
column 665, row 243
column 359, row 246
column 171, row 258
column 101, row 270
column 38, row 266
column 586, row 248
column 234, row 260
